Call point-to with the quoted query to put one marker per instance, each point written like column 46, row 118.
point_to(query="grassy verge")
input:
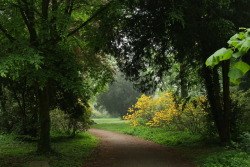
column 69, row 152
column 107, row 120
column 206, row 153
column 158, row 135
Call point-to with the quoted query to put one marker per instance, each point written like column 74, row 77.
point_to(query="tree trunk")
column 3, row 100
column 44, row 121
column 220, row 111
column 226, row 137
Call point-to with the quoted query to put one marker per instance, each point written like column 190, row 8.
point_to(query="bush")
column 164, row 111
column 240, row 112
column 226, row 159
column 64, row 123
column 244, row 143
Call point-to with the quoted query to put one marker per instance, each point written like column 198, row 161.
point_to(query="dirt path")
column 119, row 150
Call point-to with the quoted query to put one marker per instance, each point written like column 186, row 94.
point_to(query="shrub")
column 64, row 123
column 244, row 144
column 163, row 111
column 226, row 159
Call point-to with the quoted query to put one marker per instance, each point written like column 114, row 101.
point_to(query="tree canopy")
column 147, row 32
column 47, row 46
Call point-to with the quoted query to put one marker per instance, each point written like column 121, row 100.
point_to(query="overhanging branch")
column 5, row 32
column 89, row 20
column 103, row 8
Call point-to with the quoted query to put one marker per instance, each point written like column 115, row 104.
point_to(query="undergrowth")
column 69, row 152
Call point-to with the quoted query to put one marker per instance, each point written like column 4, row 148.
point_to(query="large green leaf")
column 219, row 55
column 245, row 46
column 235, row 75
column 238, row 54
column 238, row 70
column 242, row 66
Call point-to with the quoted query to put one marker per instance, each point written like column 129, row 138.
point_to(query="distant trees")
column 120, row 95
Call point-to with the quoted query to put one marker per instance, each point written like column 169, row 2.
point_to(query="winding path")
column 120, row 150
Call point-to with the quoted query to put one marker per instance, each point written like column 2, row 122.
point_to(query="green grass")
column 107, row 120
column 158, row 135
column 206, row 153
column 70, row 152
column 116, row 127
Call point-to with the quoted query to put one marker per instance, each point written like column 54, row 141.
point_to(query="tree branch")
column 5, row 32
column 27, row 12
column 89, row 20
column 82, row 25
column 45, row 8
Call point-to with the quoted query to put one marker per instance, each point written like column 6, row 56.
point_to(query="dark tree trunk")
column 44, row 121
column 212, row 97
column 3, row 101
column 220, row 107
column 226, row 137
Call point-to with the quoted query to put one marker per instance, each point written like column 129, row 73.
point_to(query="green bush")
column 63, row 123
column 162, row 136
column 226, row 159
column 244, row 143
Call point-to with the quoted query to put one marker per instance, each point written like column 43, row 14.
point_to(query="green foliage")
column 100, row 113
column 218, row 56
column 225, row 159
column 159, row 135
column 164, row 137
column 240, row 111
column 71, row 121
column 70, row 152
column 46, row 48
column 118, row 98
column 17, row 108
column 239, row 44
column 244, row 143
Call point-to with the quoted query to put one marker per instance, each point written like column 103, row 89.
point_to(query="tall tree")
column 39, row 41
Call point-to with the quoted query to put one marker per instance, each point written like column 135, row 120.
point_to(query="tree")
column 119, row 97
column 239, row 44
column 148, row 31
column 39, row 41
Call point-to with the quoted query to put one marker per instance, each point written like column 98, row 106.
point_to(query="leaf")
column 234, row 75
column 2, row 74
column 242, row 66
column 219, row 55
column 233, row 43
column 238, row 54
column 239, row 45
column 238, row 70
column 242, row 28
column 237, row 82
column 245, row 46
column 209, row 61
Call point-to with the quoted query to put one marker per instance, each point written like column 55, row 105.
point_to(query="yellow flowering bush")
column 163, row 110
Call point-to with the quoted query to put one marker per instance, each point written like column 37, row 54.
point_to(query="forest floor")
column 120, row 150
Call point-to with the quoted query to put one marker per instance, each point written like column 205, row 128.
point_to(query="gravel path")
column 120, row 150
